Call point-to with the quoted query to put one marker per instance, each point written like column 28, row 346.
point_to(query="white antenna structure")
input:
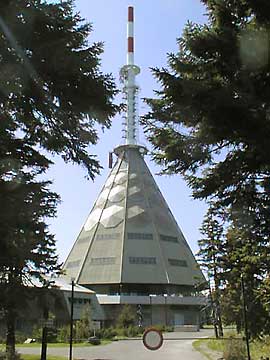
column 127, row 75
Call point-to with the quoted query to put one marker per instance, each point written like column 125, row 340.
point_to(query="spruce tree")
column 52, row 96
column 27, row 247
column 210, row 258
column 52, row 91
column 247, row 255
column 127, row 317
column 210, row 123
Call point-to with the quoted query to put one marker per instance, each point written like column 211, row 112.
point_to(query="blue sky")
column 158, row 23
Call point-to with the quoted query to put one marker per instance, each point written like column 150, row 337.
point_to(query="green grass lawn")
column 199, row 345
column 103, row 342
column 258, row 348
column 52, row 345
column 37, row 357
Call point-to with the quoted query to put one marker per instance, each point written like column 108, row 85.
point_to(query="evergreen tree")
column 211, row 124
column 211, row 121
column 247, row 254
column 127, row 317
column 210, row 258
column 84, row 326
column 51, row 89
column 52, row 94
column 264, row 294
column 242, row 259
column 237, row 244
column 27, row 247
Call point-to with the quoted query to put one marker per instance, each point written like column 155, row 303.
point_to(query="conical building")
column 131, row 242
column 130, row 249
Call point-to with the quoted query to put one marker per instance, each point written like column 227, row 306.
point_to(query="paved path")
column 134, row 349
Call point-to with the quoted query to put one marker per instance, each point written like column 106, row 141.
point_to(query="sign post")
column 139, row 314
column 71, row 318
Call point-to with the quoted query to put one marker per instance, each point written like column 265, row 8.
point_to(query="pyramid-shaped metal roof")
column 130, row 235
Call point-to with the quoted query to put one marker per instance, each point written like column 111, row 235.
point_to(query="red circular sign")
column 152, row 339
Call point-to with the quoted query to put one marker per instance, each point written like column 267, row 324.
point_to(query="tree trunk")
column 214, row 310
column 217, row 298
column 10, row 334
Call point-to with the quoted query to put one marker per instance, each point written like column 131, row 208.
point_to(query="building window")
column 140, row 236
column 113, row 236
column 103, row 261
column 142, row 260
column 79, row 301
column 74, row 300
column 72, row 264
column 168, row 238
column 177, row 262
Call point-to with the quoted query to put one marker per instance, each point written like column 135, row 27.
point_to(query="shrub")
column 163, row 328
column 20, row 337
column 51, row 334
column 63, row 334
column 84, row 326
column 131, row 331
column 3, row 356
column 234, row 349
column 120, row 332
column 127, row 317
column 37, row 333
column 106, row 333
column 109, row 333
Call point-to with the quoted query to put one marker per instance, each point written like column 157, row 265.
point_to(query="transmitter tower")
column 131, row 249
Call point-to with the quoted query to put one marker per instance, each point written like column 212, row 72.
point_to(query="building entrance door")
column 179, row 319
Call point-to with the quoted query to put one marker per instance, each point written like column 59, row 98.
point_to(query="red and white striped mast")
column 128, row 73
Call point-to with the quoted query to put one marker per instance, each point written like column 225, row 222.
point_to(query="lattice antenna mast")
column 130, row 89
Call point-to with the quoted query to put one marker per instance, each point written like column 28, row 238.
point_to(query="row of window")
column 142, row 260
column 136, row 236
column 140, row 236
column 80, row 301
column 177, row 262
column 138, row 260
column 168, row 238
column 132, row 260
